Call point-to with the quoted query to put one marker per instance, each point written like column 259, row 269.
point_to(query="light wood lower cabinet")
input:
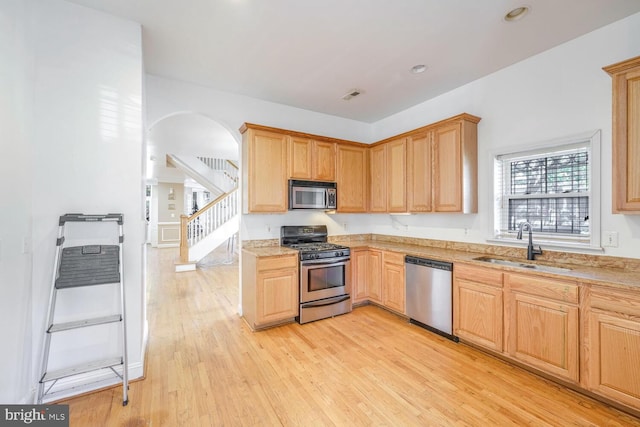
column 478, row 306
column 378, row 276
column 613, row 343
column 359, row 274
column 542, row 328
column 393, row 287
column 269, row 289
column 374, row 276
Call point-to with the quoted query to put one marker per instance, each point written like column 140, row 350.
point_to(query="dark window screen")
column 567, row 173
column 551, row 175
column 567, row 215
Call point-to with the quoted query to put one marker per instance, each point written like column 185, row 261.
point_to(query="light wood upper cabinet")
column 388, row 176
column 626, row 135
column 447, row 171
column 455, row 180
column 436, row 165
column 478, row 306
column 378, row 180
column 430, row 169
column 419, row 168
column 324, row 161
column 312, row 160
column 352, row 178
column 300, row 157
column 264, row 156
column 613, row 343
column 396, row 166
column 542, row 329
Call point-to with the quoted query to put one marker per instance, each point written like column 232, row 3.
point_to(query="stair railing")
column 196, row 227
column 227, row 167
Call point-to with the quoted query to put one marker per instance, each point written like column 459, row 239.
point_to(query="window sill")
column 559, row 246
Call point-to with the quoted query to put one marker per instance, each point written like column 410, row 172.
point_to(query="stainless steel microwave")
column 312, row 195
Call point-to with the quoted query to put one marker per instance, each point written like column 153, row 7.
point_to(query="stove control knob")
column 316, row 256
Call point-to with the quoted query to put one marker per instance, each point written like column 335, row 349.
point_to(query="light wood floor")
column 206, row 368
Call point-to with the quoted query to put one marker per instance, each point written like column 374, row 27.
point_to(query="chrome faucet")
column 531, row 252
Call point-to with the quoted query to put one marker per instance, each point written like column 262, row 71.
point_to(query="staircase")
column 219, row 220
column 219, row 176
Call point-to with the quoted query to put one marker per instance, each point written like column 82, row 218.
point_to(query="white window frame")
column 592, row 244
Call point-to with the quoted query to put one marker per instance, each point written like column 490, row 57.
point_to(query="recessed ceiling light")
column 351, row 94
column 517, row 14
column 417, row 69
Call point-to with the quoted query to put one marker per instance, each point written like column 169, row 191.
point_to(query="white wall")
column 73, row 119
column 558, row 93
column 16, row 122
column 555, row 94
column 165, row 97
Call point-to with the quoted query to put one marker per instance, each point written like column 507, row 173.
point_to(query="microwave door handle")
column 326, row 198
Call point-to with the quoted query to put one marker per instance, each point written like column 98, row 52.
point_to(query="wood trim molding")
column 463, row 116
column 460, row 117
column 296, row 134
column 623, row 66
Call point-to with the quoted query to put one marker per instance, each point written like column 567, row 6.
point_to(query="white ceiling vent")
column 351, row 94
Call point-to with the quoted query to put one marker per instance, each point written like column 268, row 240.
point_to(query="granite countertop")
column 620, row 273
column 603, row 276
column 261, row 251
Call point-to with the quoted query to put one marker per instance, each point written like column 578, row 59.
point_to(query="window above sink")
column 554, row 186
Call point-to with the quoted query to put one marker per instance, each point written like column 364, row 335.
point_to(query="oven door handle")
column 323, row 303
column 329, row 262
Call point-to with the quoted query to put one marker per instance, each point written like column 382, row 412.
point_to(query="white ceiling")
column 308, row 54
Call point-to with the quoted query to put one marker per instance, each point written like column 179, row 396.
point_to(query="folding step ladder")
column 82, row 266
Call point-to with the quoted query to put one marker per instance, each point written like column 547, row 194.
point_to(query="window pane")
column 565, row 173
column 568, row 215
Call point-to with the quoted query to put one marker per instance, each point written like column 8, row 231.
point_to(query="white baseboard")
column 168, row 245
column 185, row 267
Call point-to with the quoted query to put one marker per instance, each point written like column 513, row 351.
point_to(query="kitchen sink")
column 518, row 264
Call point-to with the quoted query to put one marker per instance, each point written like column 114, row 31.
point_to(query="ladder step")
column 81, row 369
column 84, row 323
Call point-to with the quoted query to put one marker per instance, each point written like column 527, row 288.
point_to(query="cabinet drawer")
column 393, row 258
column 615, row 301
column 487, row 276
column 555, row 289
column 276, row 263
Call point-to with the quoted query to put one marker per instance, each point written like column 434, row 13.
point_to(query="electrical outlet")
column 610, row 239
column 26, row 245
column 268, row 228
column 344, row 226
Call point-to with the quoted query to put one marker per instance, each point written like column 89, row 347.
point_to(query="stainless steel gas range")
column 325, row 272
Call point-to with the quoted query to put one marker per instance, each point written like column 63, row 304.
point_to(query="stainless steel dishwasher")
column 429, row 298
